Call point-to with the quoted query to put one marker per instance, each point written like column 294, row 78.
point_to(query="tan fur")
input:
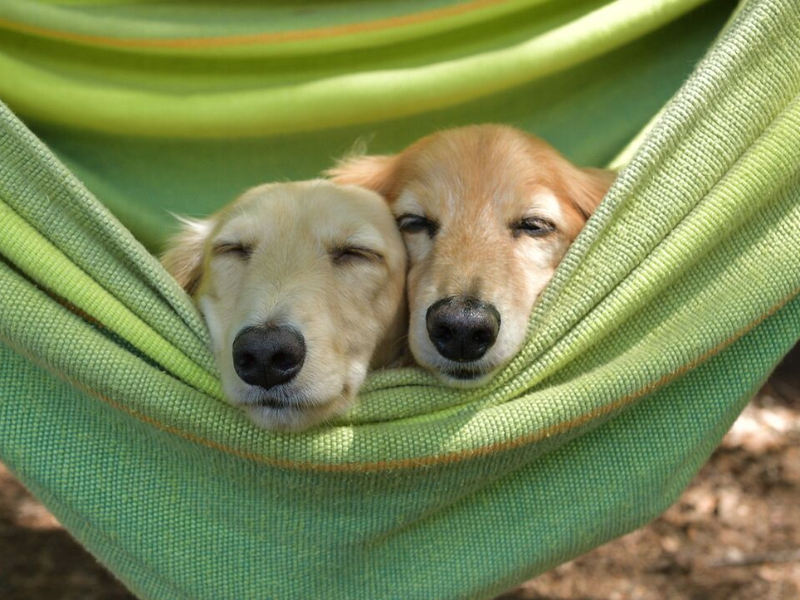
column 351, row 314
column 183, row 258
column 476, row 182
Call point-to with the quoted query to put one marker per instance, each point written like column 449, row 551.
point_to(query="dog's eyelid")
column 345, row 253
column 413, row 223
column 536, row 219
column 533, row 226
column 408, row 216
column 230, row 247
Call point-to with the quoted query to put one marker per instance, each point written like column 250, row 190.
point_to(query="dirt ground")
column 733, row 535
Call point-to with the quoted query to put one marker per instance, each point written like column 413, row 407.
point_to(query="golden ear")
column 183, row 258
column 586, row 188
column 375, row 173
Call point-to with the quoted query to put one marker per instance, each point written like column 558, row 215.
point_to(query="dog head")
column 302, row 287
column 487, row 213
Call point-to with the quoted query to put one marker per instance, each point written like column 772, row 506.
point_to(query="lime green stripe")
column 33, row 254
column 383, row 25
column 66, row 214
column 336, row 101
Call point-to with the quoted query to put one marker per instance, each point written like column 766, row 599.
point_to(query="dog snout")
column 462, row 329
column 268, row 356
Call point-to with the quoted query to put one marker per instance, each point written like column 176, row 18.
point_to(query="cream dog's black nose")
column 462, row 329
column 268, row 356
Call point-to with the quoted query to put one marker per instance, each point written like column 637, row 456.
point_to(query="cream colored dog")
column 302, row 287
column 487, row 213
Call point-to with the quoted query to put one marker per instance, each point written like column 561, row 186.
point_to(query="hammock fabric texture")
column 671, row 308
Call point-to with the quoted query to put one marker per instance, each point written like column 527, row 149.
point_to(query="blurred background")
column 734, row 534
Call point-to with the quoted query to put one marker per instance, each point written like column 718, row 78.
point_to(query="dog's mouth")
column 466, row 376
column 289, row 400
column 276, row 398
column 274, row 403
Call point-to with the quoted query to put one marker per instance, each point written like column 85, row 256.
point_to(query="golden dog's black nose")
column 268, row 356
column 462, row 329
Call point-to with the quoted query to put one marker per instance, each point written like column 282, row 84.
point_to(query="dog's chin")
column 282, row 410
column 292, row 418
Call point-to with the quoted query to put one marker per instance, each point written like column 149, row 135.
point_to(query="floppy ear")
column 183, row 258
column 375, row 173
column 585, row 188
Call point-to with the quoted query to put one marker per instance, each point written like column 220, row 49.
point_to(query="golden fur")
column 350, row 308
column 477, row 184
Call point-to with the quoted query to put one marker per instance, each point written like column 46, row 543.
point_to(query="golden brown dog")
column 487, row 213
column 302, row 287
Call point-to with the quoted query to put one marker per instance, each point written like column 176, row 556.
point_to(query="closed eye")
column 410, row 223
column 232, row 249
column 342, row 255
column 533, row 227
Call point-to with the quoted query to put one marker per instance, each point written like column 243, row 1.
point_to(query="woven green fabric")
column 670, row 309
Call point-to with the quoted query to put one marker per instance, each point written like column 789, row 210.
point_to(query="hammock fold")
column 668, row 312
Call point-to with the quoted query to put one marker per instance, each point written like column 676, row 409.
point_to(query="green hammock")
column 671, row 308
